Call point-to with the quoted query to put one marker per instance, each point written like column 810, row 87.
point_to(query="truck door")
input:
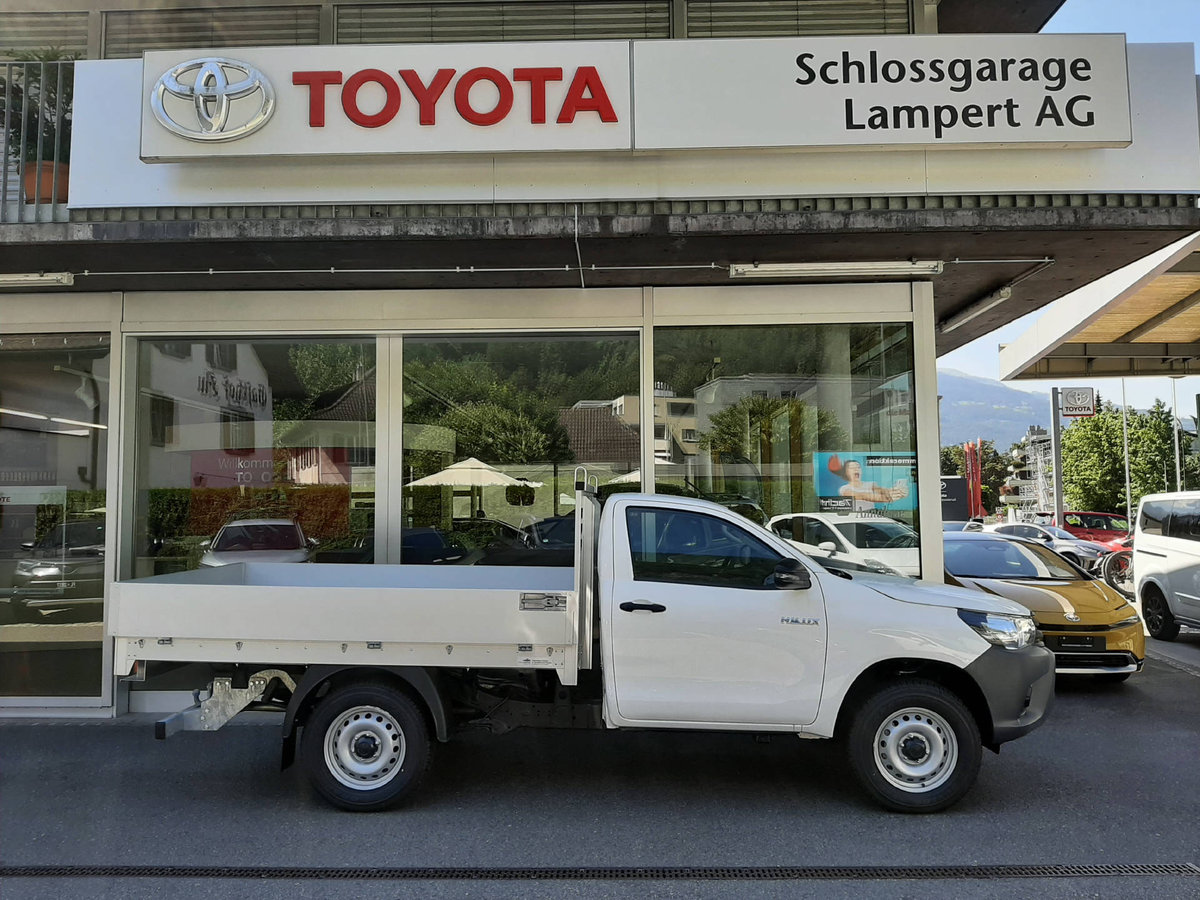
column 698, row 630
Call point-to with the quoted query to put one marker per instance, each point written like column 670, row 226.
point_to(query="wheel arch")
column 888, row 671
column 418, row 683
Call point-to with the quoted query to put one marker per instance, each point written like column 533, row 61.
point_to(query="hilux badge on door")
column 793, row 620
column 213, row 97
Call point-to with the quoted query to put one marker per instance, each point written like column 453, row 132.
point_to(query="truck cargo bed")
column 304, row 614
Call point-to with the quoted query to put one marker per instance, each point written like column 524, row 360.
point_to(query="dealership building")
column 367, row 282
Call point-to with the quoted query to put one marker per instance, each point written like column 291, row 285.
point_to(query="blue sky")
column 1143, row 22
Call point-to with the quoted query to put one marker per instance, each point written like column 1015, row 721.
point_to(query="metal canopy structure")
column 984, row 247
column 1143, row 319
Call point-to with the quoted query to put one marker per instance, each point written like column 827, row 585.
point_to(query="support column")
column 925, row 404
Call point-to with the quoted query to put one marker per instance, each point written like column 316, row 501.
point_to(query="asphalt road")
column 1111, row 780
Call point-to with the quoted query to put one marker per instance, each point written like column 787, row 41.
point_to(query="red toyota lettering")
column 596, row 98
column 391, row 103
column 427, row 96
column 317, row 82
column 537, row 79
column 462, row 96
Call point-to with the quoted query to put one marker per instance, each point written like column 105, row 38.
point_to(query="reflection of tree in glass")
column 502, row 398
column 735, row 425
column 489, row 431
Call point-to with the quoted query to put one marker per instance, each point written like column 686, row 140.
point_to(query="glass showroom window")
column 252, row 450
column 53, row 439
column 782, row 420
column 493, row 430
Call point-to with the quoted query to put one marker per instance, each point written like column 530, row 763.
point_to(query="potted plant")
column 36, row 92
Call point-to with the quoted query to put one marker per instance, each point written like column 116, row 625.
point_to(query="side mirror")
column 1048, row 538
column 828, row 546
column 791, row 574
column 206, row 543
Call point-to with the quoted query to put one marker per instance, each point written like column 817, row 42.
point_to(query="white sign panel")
column 1077, row 402
column 33, row 495
column 362, row 100
column 965, row 90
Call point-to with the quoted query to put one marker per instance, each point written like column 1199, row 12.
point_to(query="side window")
column 1026, row 531
column 818, row 533
column 783, row 528
column 1185, row 520
column 1153, row 516
column 1006, row 529
column 692, row 548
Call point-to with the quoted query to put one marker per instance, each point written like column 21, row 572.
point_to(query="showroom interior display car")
column 881, row 544
column 1090, row 627
column 64, row 569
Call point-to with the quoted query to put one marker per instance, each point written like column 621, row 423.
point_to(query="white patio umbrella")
column 468, row 473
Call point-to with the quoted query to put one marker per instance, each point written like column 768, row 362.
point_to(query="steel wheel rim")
column 364, row 748
column 915, row 750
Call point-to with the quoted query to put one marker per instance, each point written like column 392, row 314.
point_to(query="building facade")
column 392, row 271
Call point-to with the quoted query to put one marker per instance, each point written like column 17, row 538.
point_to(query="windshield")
column 1000, row 558
column 284, row 536
column 877, row 533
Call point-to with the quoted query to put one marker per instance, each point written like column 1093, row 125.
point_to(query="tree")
column 1093, row 454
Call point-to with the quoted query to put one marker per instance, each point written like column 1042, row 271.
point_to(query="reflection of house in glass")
column 335, row 444
column 675, row 436
column 208, row 407
column 598, row 437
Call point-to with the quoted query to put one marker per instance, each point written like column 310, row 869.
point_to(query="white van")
column 1166, row 562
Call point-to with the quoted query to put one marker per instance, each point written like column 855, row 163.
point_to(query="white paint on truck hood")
column 932, row 593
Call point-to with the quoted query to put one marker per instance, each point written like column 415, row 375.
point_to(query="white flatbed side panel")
column 339, row 603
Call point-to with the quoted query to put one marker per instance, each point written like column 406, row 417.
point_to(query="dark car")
column 64, row 570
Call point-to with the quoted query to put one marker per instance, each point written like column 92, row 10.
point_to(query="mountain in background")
column 982, row 408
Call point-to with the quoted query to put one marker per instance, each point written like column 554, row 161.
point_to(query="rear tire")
column 914, row 746
column 365, row 747
column 1160, row 624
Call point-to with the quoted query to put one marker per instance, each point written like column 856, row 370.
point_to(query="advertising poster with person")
column 847, row 482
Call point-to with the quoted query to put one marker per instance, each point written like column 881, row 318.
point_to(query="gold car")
column 1091, row 629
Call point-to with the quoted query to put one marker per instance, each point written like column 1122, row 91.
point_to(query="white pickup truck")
column 678, row 614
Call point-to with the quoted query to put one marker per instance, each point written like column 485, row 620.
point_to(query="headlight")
column 1132, row 620
column 1010, row 632
column 45, row 571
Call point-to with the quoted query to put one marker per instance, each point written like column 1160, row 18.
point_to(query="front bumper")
column 1018, row 686
column 1079, row 650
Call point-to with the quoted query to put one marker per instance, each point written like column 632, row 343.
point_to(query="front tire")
column 365, row 747
column 1160, row 624
column 915, row 747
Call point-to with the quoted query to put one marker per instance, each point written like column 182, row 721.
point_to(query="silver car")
column 1085, row 554
column 258, row 540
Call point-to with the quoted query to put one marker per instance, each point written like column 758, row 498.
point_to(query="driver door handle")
column 629, row 606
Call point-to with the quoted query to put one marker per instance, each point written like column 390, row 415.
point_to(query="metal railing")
column 35, row 111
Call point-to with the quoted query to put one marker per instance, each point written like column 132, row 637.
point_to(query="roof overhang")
column 1142, row 319
column 987, row 16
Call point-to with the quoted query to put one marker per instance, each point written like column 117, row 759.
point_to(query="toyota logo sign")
column 213, row 99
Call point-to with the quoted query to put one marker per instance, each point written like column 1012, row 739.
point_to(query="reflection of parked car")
column 482, row 534
column 877, row 542
column 64, row 569
column 1089, row 626
column 1085, row 554
column 969, row 525
column 554, row 533
column 429, row 547
column 258, row 540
